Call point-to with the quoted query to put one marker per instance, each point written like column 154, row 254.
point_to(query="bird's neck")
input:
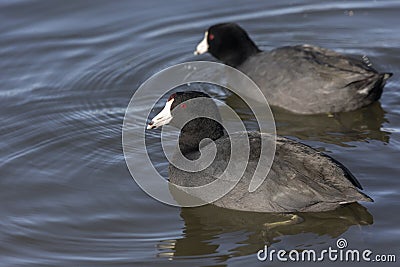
column 236, row 57
column 195, row 131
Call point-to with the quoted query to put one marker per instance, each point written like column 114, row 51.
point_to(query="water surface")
column 68, row 70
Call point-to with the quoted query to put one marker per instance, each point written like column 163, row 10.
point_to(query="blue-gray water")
column 67, row 72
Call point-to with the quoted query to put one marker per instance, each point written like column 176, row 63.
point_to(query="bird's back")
column 300, row 179
column 308, row 79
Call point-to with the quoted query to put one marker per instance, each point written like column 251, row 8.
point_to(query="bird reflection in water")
column 248, row 231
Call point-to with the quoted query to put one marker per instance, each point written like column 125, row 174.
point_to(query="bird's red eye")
column 171, row 97
column 211, row 37
column 183, row 105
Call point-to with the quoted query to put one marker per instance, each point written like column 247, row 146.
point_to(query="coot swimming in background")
column 303, row 79
column 301, row 178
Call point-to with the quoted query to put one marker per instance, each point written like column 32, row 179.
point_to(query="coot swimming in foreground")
column 303, row 79
column 301, row 178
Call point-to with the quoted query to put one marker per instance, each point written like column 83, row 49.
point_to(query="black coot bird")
column 304, row 79
column 301, row 178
